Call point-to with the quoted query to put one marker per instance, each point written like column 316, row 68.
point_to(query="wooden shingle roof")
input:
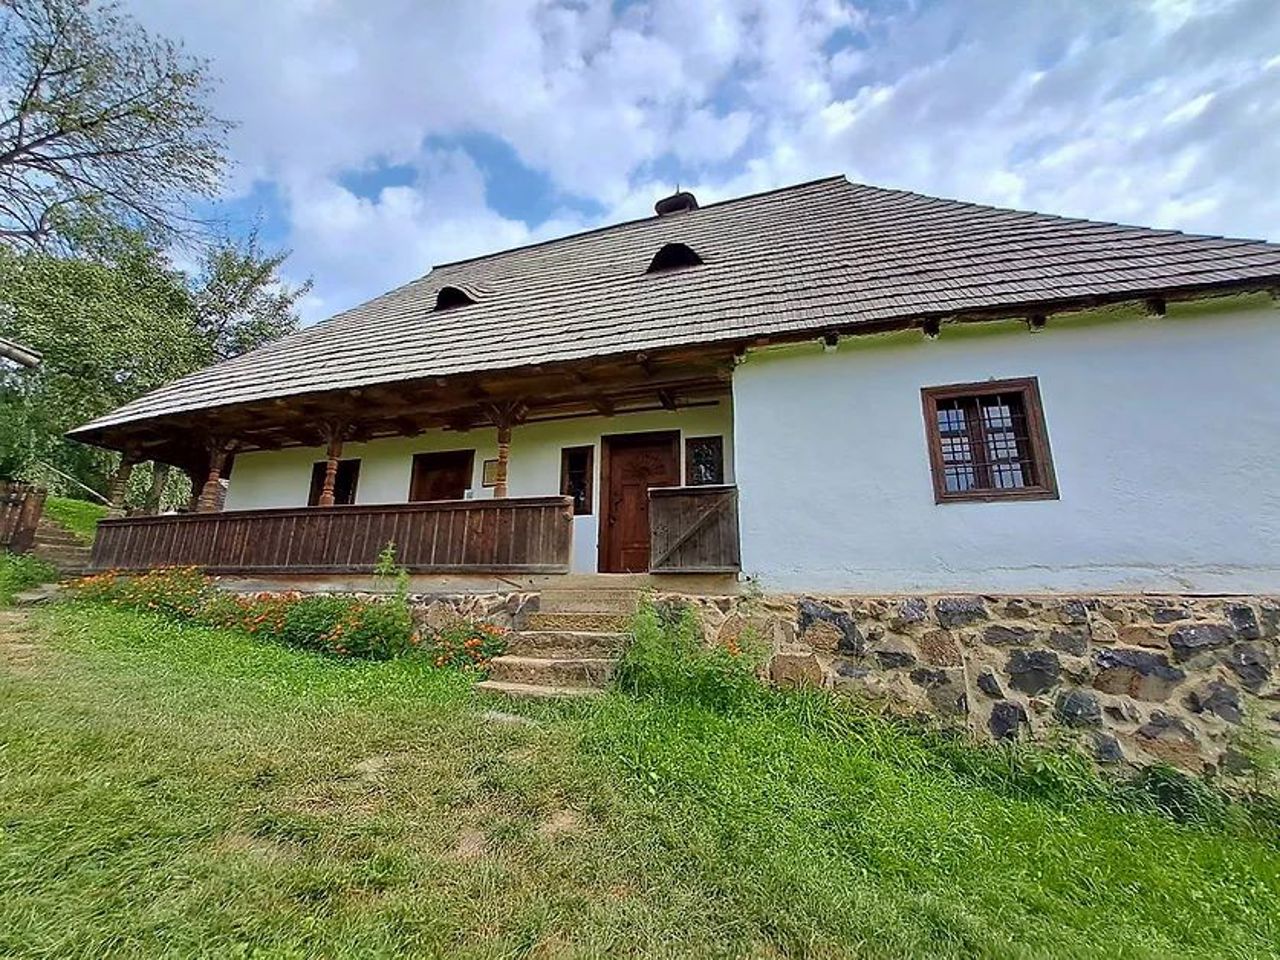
column 819, row 256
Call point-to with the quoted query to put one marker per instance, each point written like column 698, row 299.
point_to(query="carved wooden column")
column 504, row 458
column 118, row 485
column 159, row 481
column 333, row 433
column 504, row 417
column 210, row 500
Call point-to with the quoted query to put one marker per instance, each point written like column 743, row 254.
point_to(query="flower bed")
column 336, row 625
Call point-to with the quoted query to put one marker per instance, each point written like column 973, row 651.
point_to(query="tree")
column 99, row 117
column 116, row 320
column 239, row 300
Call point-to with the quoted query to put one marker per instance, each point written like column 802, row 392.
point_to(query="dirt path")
column 17, row 653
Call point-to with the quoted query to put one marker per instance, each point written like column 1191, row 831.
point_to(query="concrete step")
column 589, row 601
column 534, row 690
column 548, row 672
column 590, row 622
column 566, row 643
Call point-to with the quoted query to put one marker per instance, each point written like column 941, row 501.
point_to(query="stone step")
column 589, row 622
column 589, row 601
column 57, row 555
column 58, row 538
column 566, row 643
column 533, row 690
column 38, row 594
column 58, row 545
column 542, row 671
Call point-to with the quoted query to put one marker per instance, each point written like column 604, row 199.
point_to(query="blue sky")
column 378, row 137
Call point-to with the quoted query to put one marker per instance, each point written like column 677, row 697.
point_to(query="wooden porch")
column 512, row 535
column 692, row 529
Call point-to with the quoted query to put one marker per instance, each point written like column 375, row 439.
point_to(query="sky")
column 376, row 138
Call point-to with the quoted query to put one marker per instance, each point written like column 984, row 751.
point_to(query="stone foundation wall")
column 506, row 610
column 1134, row 679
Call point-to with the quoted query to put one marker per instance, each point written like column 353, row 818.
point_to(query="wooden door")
column 632, row 464
column 442, row 476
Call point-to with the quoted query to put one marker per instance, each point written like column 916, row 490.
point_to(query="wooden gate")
column 694, row 529
column 20, row 507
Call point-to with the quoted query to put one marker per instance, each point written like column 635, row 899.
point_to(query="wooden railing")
column 694, row 530
column 20, row 507
column 514, row 535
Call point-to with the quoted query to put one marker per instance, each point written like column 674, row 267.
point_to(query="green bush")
column 21, row 571
column 667, row 659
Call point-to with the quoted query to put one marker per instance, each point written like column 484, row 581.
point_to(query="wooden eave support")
column 334, row 432
column 504, row 417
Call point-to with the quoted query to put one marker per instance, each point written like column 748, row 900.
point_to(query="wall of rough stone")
column 1134, row 679
column 506, row 610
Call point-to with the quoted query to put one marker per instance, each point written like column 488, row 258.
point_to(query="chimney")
column 676, row 203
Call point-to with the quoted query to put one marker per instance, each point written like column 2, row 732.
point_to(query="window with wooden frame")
column 703, row 461
column 987, row 441
column 577, row 466
column 344, row 482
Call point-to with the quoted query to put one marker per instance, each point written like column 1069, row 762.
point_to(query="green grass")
column 79, row 516
column 21, row 571
column 169, row 790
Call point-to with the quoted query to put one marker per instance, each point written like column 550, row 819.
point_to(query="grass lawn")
column 79, row 516
column 22, row 571
column 173, row 790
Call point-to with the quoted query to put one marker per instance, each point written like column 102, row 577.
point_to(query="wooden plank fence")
column 694, row 529
column 20, row 507
column 511, row 535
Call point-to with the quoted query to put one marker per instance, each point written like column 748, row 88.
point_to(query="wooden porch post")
column 210, row 497
column 118, row 485
column 504, row 417
column 159, row 481
column 334, row 453
column 504, row 458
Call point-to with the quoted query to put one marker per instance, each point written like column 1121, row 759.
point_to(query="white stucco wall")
column 1164, row 432
column 282, row 478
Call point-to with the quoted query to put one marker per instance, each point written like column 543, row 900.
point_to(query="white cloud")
column 1160, row 112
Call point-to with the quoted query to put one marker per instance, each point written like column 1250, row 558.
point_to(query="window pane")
column 1004, row 426
column 704, row 461
column 575, row 477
